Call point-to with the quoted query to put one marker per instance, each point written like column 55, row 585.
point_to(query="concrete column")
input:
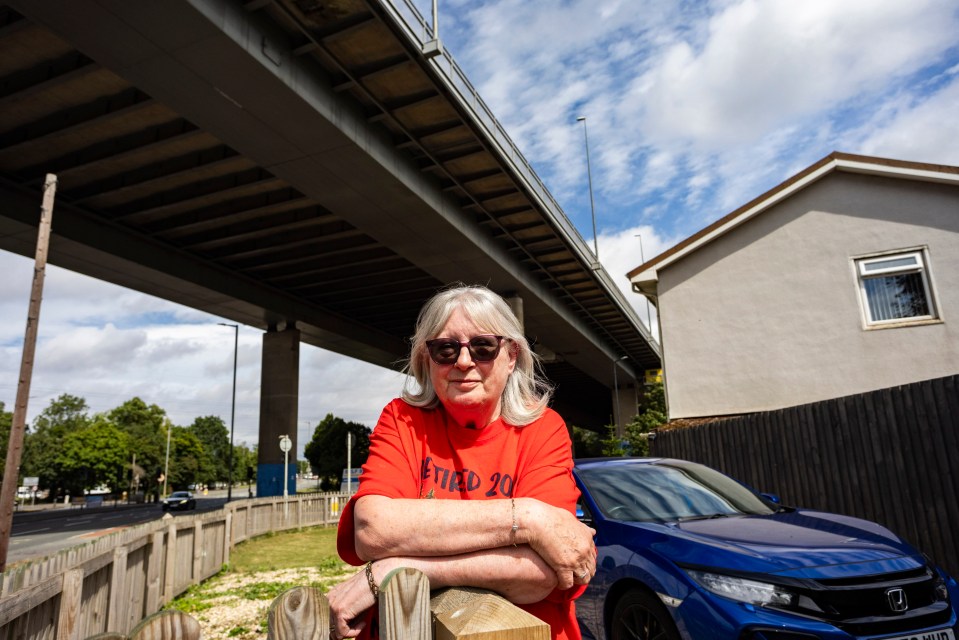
column 279, row 396
column 624, row 405
column 516, row 305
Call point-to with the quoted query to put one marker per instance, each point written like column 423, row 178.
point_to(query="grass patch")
column 313, row 547
column 304, row 557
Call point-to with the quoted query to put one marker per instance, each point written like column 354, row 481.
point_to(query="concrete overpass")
column 314, row 168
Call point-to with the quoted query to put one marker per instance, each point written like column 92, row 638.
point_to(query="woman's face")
column 471, row 391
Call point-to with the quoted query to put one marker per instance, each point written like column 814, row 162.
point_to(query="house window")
column 895, row 288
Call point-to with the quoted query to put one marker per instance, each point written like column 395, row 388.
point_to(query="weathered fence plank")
column 70, row 598
column 118, row 592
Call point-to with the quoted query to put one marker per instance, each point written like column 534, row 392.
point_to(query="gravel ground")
column 235, row 605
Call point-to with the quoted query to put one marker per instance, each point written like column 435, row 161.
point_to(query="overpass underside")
column 297, row 164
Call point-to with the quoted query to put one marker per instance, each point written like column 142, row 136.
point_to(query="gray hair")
column 527, row 393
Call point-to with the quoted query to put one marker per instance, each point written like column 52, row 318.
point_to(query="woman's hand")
column 350, row 598
column 562, row 541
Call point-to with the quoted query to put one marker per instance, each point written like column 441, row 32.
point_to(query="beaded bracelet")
column 369, row 578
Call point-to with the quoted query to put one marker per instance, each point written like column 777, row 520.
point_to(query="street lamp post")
column 166, row 465
column 642, row 260
column 589, row 178
column 236, row 344
column 616, row 409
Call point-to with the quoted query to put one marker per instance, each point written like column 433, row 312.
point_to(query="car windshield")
column 668, row 491
column 179, row 494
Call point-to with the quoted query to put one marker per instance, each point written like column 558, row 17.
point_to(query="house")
column 841, row 280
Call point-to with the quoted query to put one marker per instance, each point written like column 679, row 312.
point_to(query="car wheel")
column 640, row 615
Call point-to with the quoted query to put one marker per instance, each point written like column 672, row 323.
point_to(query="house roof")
column 645, row 276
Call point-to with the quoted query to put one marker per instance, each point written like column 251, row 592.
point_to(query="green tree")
column 187, row 459
column 94, row 455
column 652, row 414
column 612, row 444
column 244, row 461
column 6, row 423
column 326, row 452
column 586, row 443
column 41, row 450
column 244, row 464
column 146, row 425
column 215, row 438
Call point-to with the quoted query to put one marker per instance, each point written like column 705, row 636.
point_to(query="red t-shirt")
column 420, row 453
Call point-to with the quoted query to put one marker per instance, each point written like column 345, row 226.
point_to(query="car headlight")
column 743, row 590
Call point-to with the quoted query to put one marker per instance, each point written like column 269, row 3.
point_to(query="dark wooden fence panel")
column 891, row 456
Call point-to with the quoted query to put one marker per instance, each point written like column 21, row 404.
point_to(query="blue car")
column 688, row 553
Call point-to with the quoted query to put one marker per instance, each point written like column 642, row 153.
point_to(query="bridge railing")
column 420, row 32
column 113, row 583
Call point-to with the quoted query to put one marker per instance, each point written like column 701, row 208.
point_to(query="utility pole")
column 166, row 465
column 236, row 346
column 11, row 472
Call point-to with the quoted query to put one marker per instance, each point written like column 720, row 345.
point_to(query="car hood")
column 800, row 544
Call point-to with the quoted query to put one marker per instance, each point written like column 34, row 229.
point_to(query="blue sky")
column 693, row 108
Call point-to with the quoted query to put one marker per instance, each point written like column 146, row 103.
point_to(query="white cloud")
column 923, row 130
column 625, row 250
column 766, row 64
column 692, row 108
column 695, row 108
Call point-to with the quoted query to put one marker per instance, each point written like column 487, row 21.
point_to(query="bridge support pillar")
column 516, row 306
column 279, row 396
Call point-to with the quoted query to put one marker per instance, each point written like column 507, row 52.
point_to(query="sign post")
column 349, row 462
column 285, row 445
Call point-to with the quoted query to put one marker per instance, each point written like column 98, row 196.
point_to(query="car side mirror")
column 772, row 497
column 583, row 516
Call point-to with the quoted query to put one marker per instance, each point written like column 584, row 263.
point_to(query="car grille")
column 865, row 606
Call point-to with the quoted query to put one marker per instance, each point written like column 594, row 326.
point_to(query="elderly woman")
column 469, row 475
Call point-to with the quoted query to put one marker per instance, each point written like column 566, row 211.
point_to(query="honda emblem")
column 897, row 600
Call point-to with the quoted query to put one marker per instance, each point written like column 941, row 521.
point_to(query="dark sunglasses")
column 481, row 348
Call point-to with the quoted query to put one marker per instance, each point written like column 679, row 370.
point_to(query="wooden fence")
column 891, row 456
column 120, row 579
column 407, row 611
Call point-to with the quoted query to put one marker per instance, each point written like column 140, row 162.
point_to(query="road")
column 43, row 532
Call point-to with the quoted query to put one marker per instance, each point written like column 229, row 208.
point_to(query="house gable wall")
column 768, row 315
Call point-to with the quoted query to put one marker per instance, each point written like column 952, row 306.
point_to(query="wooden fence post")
column 197, row 552
column 300, row 613
column 153, row 573
column 167, row 625
column 169, row 574
column 70, row 595
column 119, row 598
column 405, row 606
column 227, row 536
